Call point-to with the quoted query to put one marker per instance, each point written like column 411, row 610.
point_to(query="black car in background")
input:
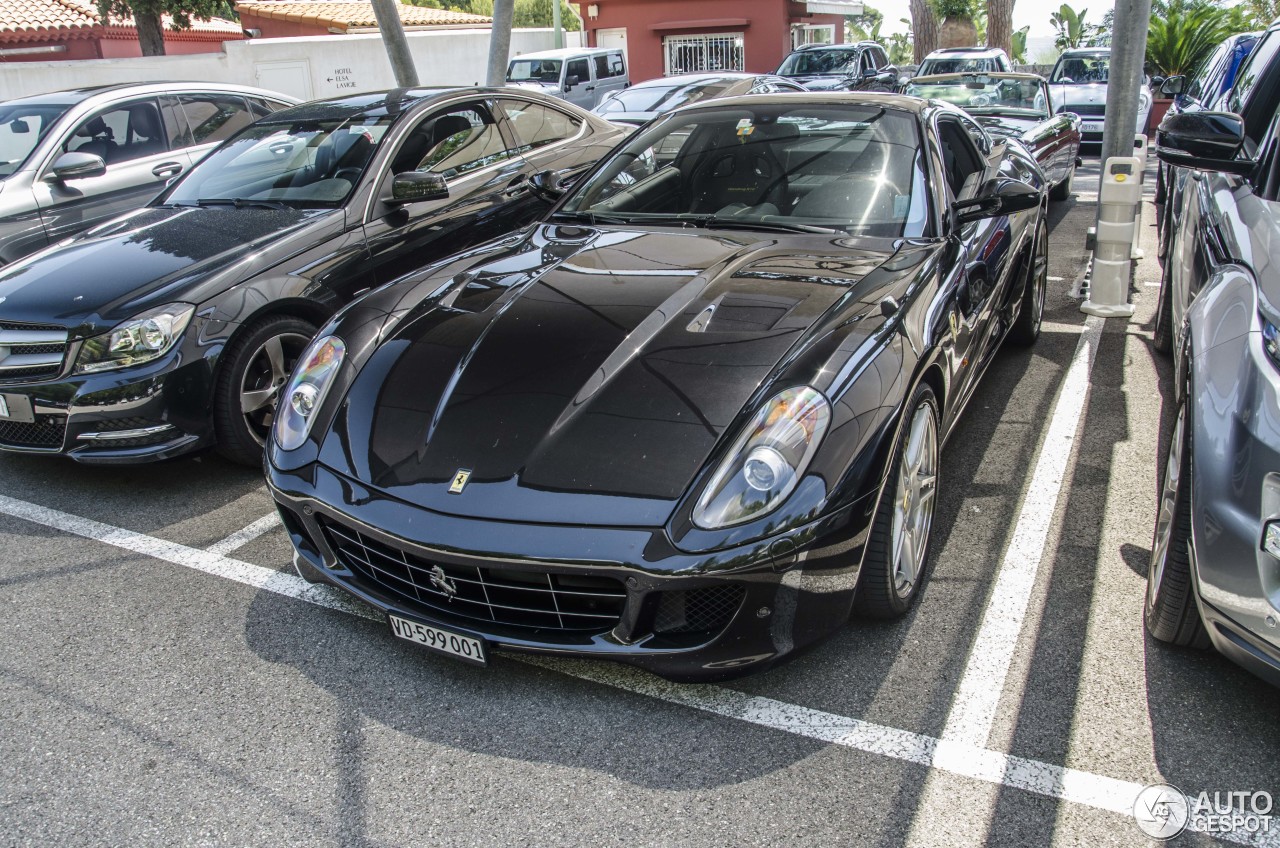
column 683, row 419
column 863, row 66
column 174, row 327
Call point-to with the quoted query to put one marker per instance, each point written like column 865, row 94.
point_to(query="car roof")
column 977, row 75
column 564, row 53
column 833, row 98
column 1086, row 51
column 72, row 96
column 375, row 104
column 966, row 51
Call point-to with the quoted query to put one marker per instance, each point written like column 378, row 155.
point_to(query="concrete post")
column 500, row 41
column 1128, row 52
column 556, row 23
column 392, row 29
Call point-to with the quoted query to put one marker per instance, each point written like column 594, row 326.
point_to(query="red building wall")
column 765, row 25
column 75, row 48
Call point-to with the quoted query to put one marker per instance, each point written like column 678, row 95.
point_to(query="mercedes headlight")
column 140, row 339
column 767, row 461
column 1271, row 340
column 306, row 390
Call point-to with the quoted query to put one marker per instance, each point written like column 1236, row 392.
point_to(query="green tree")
column 1184, row 32
column 1018, row 53
column 528, row 13
column 1259, row 14
column 1072, row 29
column 864, row 27
column 147, row 14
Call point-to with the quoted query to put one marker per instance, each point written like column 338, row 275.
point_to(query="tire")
column 1062, row 191
column 1170, row 611
column 1026, row 329
column 890, row 583
column 252, row 371
column 1162, row 333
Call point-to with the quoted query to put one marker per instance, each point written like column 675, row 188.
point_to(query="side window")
column 882, row 60
column 1251, row 71
column 215, row 117
column 121, row 133
column 617, row 66
column 960, row 159
column 1208, row 70
column 868, row 62
column 536, row 125
column 453, row 143
column 260, row 107
column 175, row 123
column 577, row 68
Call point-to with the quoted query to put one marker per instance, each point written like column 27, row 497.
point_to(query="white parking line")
column 245, row 535
column 973, row 710
column 973, row 761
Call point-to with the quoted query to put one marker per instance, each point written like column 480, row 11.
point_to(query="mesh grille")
column 10, row 325
column 47, row 432
column 544, row 600
column 1086, row 109
column 14, row 374
column 32, row 372
column 705, row 610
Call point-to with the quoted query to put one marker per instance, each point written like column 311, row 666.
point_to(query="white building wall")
column 311, row 67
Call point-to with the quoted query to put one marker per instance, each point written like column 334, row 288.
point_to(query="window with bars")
column 686, row 54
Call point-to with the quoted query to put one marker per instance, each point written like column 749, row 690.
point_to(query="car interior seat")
column 98, row 139
column 144, row 136
column 864, row 200
column 742, row 169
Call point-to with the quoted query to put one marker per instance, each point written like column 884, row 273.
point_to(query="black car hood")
column 822, row 82
column 157, row 255
column 583, row 362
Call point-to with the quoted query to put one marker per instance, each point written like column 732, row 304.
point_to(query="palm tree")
column 1183, row 33
column 1072, row 29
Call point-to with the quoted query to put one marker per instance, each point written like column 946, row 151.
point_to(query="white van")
column 582, row 75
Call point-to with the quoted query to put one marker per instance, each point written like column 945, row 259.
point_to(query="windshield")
column 957, row 66
column 1081, row 70
column 304, row 163
column 820, row 62
column 534, row 70
column 1022, row 98
column 662, row 98
column 853, row 169
column 21, row 128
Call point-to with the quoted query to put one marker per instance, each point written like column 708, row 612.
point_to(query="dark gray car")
column 1215, row 563
column 72, row 159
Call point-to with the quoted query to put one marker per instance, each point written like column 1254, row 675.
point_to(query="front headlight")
column 306, row 390
column 140, row 339
column 767, row 461
column 1271, row 340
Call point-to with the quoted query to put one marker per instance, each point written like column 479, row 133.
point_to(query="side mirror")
column 552, row 185
column 570, row 82
column 996, row 197
column 412, row 186
column 1204, row 141
column 76, row 166
column 1173, row 86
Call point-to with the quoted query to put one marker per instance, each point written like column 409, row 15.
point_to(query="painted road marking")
column 244, row 536
column 973, row 708
column 960, row 758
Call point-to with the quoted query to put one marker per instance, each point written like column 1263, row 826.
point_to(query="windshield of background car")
column 956, row 66
column 301, row 163
column 534, row 70
column 820, row 62
column 855, row 169
column 21, row 129
column 987, row 96
column 1080, row 70
column 662, row 98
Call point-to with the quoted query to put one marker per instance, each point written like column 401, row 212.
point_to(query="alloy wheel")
column 264, row 377
column 913, row 509
column 1168, row 516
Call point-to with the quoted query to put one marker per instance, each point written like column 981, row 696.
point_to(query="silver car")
column 71, row 159
column 1078, row 83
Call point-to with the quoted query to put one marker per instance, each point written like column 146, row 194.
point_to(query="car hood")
column 1078, row 94
column 1007, row 127
column 585, row 376
column 822, row 82
column 150, row 257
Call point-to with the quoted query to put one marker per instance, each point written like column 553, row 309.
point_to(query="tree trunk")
column 957, row 32
column 924, row 30
column 1000, row 25
column 150, row 33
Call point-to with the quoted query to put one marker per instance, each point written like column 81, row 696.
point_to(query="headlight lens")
column 140, row 339
column 1271, row 340
column 767, row 461
column 306, row 390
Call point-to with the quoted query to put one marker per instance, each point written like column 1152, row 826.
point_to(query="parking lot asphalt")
column 166, row 680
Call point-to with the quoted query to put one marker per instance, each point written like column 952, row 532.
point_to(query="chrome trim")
column 14, row 361
column 114, row 435
column 9, row 338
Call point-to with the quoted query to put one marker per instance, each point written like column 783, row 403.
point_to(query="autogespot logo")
column 1162, row 812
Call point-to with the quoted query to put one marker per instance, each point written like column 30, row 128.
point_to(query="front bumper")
column 684, row 616
column 131, row 415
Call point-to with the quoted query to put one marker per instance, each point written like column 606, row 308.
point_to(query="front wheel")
column 1026, row 329
column 1170, row 611
column 1162, row 334
column 256, row 366
column 897, row 551
column 1062, row 190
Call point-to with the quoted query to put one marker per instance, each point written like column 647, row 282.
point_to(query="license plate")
column 463, row 647
column 16, row 408
column 1091, row 128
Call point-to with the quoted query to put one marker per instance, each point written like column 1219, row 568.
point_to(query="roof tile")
column 352, row 15
column 38, row 20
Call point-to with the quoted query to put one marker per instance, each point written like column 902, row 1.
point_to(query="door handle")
column 591, row 88
column 167, row 169
column 516, row 186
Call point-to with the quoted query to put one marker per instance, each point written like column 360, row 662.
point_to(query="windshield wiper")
column 591, row 218
column 725, row 223
column 241, row 202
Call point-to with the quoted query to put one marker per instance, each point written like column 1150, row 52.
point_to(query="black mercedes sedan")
column 692, row 419
column 174, row 327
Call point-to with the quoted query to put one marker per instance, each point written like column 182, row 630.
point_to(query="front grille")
column 706, row 610
column 1086, row 109
column 533, row 599
column 46, row 432
column 31, row 351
